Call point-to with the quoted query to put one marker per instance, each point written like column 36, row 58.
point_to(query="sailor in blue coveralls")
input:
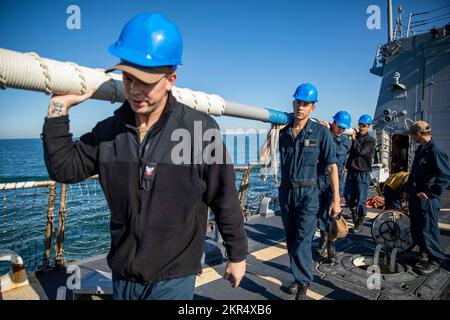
column 303, row 143
column 342, row 121
column 430, row 175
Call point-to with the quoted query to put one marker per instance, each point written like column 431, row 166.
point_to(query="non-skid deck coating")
column 268, row 269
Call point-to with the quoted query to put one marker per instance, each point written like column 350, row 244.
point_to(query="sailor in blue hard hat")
column 302, row 144
column 149, row 47
column 359, row 166
column 341, row 121
column 158, row 206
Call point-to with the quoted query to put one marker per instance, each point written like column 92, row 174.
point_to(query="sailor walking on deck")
column 430, row 175
column 158, row 204
column 359, row 166
column 304, row 143
column 341, row 121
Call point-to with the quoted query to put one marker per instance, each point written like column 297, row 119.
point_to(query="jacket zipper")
column 141, row 163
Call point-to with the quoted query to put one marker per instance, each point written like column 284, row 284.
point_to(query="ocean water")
column 22, row 160
column 23, row 212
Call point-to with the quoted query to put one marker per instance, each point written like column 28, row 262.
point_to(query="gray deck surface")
column 268, row 268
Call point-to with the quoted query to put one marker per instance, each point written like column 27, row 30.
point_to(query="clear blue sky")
column 250, row 51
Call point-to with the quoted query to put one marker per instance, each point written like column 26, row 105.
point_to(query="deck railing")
column 79, row 228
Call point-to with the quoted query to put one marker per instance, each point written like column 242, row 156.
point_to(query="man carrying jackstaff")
column 158, row 207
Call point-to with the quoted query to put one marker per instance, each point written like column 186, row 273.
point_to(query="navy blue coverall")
column 430, row 174
column 299, row 191
column 343, row 144
column 359, row 166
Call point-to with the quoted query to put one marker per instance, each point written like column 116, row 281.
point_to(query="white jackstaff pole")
column 29, row 71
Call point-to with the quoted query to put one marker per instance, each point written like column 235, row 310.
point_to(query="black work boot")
column 358, row 225
column 331, row 248
column 428, row 268
column 422, row 259
column 354, row 215
column 322, row 249
column 292, row 289
column 301, row 291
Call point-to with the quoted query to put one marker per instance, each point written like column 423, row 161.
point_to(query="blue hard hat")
column 343, row 119
column 365, row 118
column 306, row 92
column 149, row 40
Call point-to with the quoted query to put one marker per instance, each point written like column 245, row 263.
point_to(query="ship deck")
column 268, row 270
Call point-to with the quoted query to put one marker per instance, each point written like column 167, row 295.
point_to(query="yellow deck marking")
column 444, row 226
column 372, row 215
column 311, row 294
column 270, row 253
column 266, row 254
column 208, row 275
column 272, row 279
column 314, row 295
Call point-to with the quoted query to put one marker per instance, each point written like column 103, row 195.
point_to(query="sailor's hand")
column 353, row 136
column 60, row 104
column 335, row 208
column 325, row 123
column 422, row 195
column 236, row 271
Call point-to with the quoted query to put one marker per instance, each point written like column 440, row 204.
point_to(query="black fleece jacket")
column 158, row 207
column 361, row 154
